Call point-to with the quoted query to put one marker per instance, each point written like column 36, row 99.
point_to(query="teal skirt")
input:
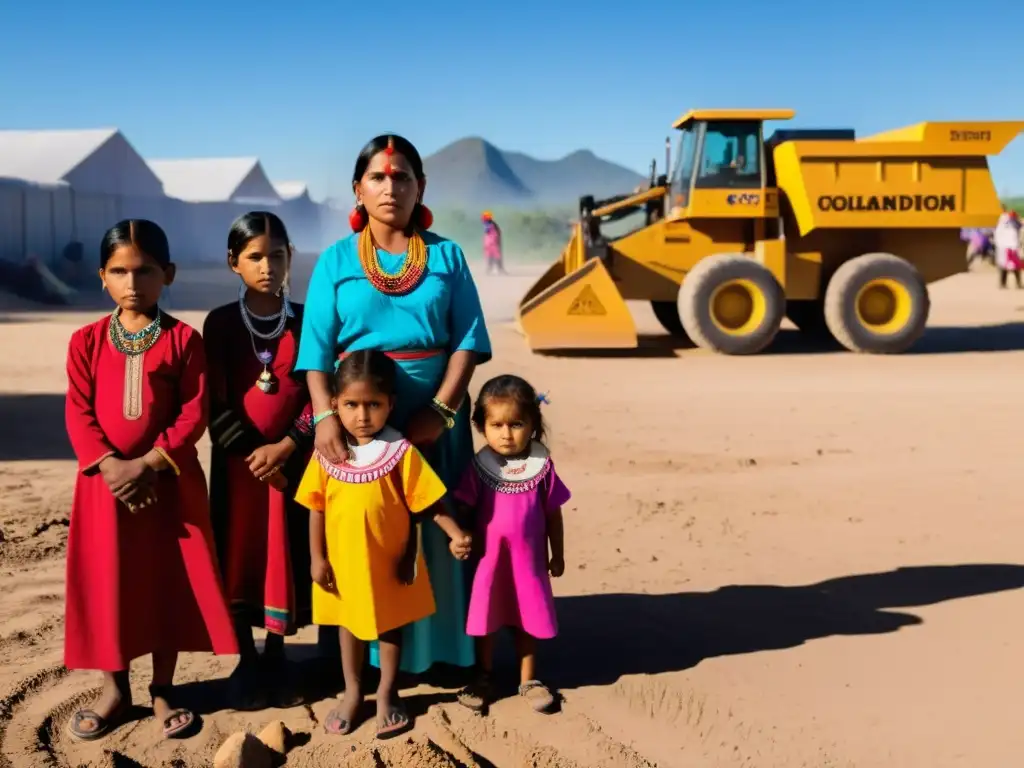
column 441, row 637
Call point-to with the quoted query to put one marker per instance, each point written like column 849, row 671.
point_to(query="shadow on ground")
column 604, row 637
column 940, row 340
column 33, row 428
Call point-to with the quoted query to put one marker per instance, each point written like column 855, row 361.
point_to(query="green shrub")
column 538, row 235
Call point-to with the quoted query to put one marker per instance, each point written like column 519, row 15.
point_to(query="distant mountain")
column 472, row 172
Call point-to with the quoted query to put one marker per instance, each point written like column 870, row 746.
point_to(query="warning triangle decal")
column 587, row 303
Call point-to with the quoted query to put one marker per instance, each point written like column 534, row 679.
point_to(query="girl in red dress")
column 261, row 427
column 141, row 571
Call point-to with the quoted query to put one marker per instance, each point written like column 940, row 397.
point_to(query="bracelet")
column 323, row 415
column 444, row 412
column 443, row 407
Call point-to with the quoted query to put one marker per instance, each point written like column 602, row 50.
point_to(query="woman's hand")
column 556, row 567
column 330, row 441
column 425, row 427
column 323, row 574
column 267, row 460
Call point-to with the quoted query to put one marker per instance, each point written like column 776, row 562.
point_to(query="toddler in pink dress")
column 515, row 498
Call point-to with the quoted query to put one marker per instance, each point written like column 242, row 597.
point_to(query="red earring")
column 357, row 219
column 425, row 218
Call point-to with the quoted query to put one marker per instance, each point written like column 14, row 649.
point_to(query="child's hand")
column 126, row 479
column 461, row 546
column 267, row 460
column 323, row 575
column 407, row 569
column 144, row 496
column 556, row 567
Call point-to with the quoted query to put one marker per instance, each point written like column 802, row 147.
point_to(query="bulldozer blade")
column 581, row 310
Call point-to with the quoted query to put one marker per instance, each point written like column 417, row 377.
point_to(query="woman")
column 492, row 243
column 394, row 286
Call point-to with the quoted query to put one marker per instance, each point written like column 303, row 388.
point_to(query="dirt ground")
column 805, row 558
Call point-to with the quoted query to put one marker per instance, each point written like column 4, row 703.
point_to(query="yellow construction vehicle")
column 841, row 234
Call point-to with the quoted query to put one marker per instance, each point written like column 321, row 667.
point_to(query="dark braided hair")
column 516, row 389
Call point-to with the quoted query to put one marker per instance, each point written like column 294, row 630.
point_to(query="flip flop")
column 279, row 682
column 175, row 731
column 172, row 731
column 245, row 689
column 396, row 722
column 104, row 725
column 342, row 726
column 538, row 694
column 477, row 695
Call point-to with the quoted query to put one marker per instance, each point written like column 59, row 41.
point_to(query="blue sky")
column 303, row 84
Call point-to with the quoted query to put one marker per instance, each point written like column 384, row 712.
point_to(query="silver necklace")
column 248, row 316
column 266, row 382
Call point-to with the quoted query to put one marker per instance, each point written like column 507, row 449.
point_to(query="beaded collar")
column 370, row 462
column 134, row 343
column 515, row 475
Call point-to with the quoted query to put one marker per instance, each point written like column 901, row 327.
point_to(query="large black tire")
column 877, row 303
column 808, row 315
column 667, row 313
column 731, row 304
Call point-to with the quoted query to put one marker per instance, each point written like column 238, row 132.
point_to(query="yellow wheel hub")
column 883, row 305
column 738, row 307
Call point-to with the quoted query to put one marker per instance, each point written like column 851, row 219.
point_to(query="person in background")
column 979, row 242
column 1007, row 242
column 141, row 570
column 261, row 427
column 492, row 244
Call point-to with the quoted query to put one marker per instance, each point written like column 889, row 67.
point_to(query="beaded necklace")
column 132, row 344
column 401, row 282
column 266, row 381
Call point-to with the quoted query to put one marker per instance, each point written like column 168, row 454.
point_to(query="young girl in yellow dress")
column 370, row 579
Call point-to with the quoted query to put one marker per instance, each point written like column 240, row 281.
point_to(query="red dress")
column 143, row 582
column 262, row 534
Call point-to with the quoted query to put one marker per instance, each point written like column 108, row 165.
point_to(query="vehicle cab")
column 721, row 169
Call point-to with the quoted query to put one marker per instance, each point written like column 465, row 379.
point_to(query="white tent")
column 216, row 180
column 292, row 190
column 91, row 161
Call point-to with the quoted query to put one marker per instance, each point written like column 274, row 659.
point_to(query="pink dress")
column 492, row 241
column 512, row 500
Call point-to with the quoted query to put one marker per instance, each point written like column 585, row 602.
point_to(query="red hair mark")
column 389, row 150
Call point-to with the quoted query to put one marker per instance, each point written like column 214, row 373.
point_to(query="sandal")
column 396, row 722
column 476, row 696
column 179, row 713
column 538, row 694
column 246, row 690
column 342, row 727
column 279, row 683
column 104, row 725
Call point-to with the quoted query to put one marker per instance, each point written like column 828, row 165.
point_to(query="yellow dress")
column 367, row 503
